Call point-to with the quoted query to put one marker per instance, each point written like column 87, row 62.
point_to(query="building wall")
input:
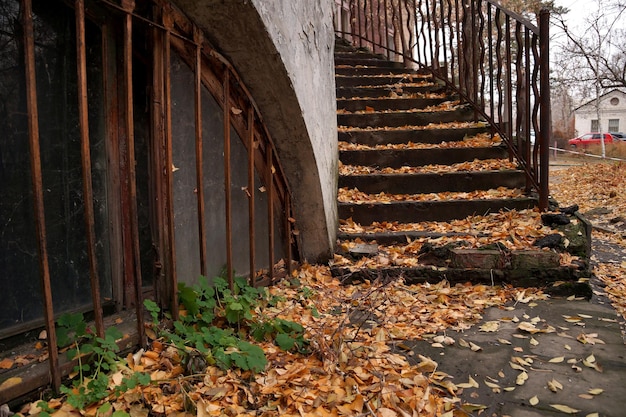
column 284, row 52
column 612, row 106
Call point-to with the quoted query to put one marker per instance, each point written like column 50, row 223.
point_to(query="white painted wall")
column 283, row 50
column 612, row 106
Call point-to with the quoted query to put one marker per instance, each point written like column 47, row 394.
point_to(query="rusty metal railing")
column 169, row 31
column 496, row 60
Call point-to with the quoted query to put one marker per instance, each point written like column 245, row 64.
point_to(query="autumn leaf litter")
column 356, row 334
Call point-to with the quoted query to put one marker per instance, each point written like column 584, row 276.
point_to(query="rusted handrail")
column 497, row 61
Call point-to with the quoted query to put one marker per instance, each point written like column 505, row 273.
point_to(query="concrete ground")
column 575, row 346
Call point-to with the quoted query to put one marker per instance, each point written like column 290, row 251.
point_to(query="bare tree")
column 595, row 58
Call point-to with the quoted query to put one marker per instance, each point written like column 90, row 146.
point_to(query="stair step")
column 403, row 237
column 366, row 62
column 433, row 182
column 397, row 103
column 349, row 70
column 387, row 91
column 417, row 211
column 382, row 80
column 375, row 137
column 396, row 158
column 403, row 118
column 359, row 53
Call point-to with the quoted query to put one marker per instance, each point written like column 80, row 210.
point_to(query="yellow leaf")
column 554, row 385
column 596, row 391
column 6, row 363
column 475, row 347
column 564, row 408
column 521, row 378
column 386, row 412
column 557, row 359
column 533, row 341
column 490, row 326
column 534, row 400
column 11, row 382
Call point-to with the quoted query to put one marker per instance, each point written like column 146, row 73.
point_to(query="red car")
column 590, row 139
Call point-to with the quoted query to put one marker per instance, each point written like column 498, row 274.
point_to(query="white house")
column 612, row 114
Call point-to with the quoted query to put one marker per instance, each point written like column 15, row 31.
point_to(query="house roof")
column 615, row 90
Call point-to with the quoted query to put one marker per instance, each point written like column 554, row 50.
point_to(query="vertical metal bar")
column 460, row 39
column 251, row 199
column 491, row 65
column 169, row 163
column 475, row 56
column 359, row 29
column 111, row 120
column 386, row 32
column 288, row 233
column 83, row 115
column 227, row 180
column 129, row 6
column 379, row 25
column 527, row 107
column 429, row 27
column 158, row 160
column 197, row 34
column 402, row 36
column 269, row 175
column 545, row 116
column 36, row 176
column 508, row 80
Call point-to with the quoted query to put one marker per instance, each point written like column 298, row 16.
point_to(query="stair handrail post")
column 545, row 109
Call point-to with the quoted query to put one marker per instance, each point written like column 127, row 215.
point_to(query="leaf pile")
column 600, row 188
column 445, row 106
column 481, row 140
column 353, row 195
column 394, row 95
column 475, row 165
column 353, row 368
column 449, row 125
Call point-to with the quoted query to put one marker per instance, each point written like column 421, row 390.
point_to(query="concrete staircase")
column 411, row 153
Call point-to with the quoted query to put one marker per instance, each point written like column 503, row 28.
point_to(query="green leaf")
column 189, row 298
column 104, row 408
column 284, row 341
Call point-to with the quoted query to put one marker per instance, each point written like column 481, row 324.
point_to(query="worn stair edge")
column 368, row 62
column 402, row 237
column 396, row 158
column 400, row 136
column 343, row 81
column 402, row 118
column 565, row 280
column 387, row 90
column 418, row 211
column 350, row 70
column 398, row 103
column 434, row 182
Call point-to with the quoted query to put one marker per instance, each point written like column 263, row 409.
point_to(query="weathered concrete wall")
column 283, row 50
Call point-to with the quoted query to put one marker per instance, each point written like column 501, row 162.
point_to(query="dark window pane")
column 18, row 251
column 184, row 182
column 55, row 49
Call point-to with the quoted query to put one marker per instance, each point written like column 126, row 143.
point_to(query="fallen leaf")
column 554, row 385
column 521, row 378
column 475, row 347
column 564, row 408
column 11, row 382
column 596, row 391
column 534, row 400
column 490, row 326
column 6, row 363
column 558, row 359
